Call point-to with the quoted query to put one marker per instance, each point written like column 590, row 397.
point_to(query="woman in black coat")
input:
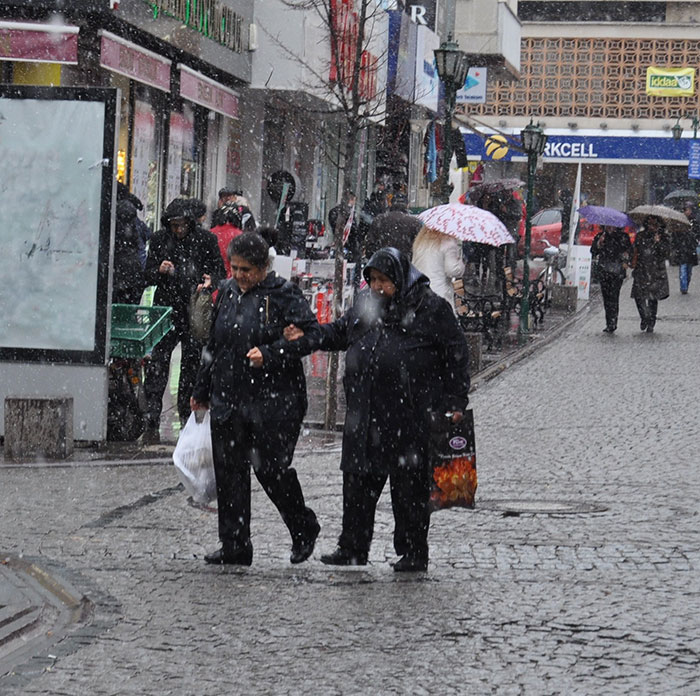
column 252, row 381
column 405, row 357
column 650, row 280
column 612, row 249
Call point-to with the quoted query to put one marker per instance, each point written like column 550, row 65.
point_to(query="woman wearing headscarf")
column 406, row 358
column 650, row 280
column 612, row 249
column 252, row 381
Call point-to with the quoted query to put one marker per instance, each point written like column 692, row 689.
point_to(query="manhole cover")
column 541, row 507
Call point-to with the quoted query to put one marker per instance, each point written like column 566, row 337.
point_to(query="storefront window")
column 182, row 155
column 144, row 163
column 122, row 83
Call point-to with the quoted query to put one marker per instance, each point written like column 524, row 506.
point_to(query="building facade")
column 584, row 74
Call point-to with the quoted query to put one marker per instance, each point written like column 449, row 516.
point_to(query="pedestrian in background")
column 226, row 195
column 439, row 257
column 128, row 281
column 406, row 357
column 181, row 257
column 650, row 280
column 252, row 381
column 395, row 228
column 612, row 250
column 227, row 231
column 144, row 231
column 683, row 249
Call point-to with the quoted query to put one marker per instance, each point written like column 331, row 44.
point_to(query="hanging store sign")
column 427, row 83
column 345, row 26
column 211, row 18
column 670, row 82
column 694, row 160
column 38, row 43
column 206, row 92
column 138, row 63
column 474, row 89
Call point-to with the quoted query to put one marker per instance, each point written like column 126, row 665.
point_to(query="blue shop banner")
column 617, row 149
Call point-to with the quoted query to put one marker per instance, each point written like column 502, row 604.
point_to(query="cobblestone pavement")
column 604, row 600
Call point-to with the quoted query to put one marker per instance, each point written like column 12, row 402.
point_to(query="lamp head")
column 451, row 63
column 533, row 139
column 677, row 130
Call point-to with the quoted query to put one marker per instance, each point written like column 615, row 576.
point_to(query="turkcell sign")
column 566, row 149
column 615, row 149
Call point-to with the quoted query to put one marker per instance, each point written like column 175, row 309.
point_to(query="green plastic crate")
column 136, row 329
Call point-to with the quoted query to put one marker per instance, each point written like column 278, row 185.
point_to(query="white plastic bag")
column 194, row 461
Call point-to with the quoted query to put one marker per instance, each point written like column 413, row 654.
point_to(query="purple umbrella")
column 600, row 215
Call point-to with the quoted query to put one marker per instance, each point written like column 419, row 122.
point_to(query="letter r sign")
column 418, row 14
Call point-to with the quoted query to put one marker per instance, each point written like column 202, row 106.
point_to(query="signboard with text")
column 614, row 148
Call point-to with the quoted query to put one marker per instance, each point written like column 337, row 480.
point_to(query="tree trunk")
column 331, row 414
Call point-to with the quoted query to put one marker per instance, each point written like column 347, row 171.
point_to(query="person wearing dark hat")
column 128, row 281
column 142, row 229
column 199, row 210
column 406, row 357
column 181, row 256
column 395, row 228
column 226, row 195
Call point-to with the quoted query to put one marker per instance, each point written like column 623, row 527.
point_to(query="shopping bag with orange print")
column 453, row 461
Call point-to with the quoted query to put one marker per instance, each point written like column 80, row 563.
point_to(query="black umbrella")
column 674, row 196
column 475, row 193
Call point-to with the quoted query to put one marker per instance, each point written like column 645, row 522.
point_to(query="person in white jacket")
column 439, row 256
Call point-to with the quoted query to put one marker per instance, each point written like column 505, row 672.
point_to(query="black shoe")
column 650, row 329
column 344, row 557
column 303, row 548
column 609, row 329
column 242, row 556
column 411, row 563
column 642, row 325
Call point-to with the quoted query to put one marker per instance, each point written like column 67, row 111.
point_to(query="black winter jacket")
column 277, row 390
column 196, row 254
column 403, row 360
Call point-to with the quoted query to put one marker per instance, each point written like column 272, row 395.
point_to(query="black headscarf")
column 410, row 283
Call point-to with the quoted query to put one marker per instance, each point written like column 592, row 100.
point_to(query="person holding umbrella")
column 651, row 249
column 436, row 249
column 612, row 249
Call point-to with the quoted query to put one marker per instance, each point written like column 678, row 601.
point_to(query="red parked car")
column 546, row 224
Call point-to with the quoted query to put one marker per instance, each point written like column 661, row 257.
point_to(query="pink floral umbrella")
column 467, row 223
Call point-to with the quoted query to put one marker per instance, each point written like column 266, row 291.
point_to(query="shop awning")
column 38, row 43
column 204, row 91
column 129, row 59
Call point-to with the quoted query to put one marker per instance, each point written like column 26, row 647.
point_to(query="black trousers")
column 267, row 448
column 610, row 286
column 410, row 492
column 647, row 309
column 158, row 368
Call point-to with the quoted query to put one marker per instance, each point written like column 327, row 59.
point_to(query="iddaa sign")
column 670, row 82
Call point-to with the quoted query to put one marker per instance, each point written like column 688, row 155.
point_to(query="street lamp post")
column 677, row 132
column 452, row 70
column 533, row 141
